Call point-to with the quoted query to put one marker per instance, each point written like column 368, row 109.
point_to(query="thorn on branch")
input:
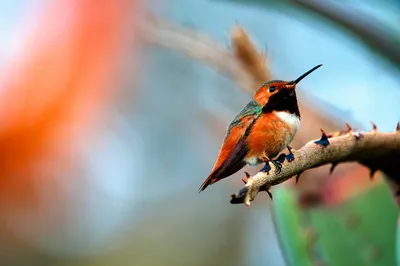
column 266, row 189
column 348, row 128
column 358, row 136
column 247, row 178
column 372, row 172
column 398, row 127
column 374, row 127
column 270, row 195
column 290, row 156
column 298, row 177
column 323, row 141
column 333, row 166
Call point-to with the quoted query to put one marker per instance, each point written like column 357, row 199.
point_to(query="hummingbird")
column 264, row 127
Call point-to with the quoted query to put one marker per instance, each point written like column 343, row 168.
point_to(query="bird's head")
column 279, row 88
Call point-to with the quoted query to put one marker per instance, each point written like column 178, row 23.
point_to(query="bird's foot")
column 281, row 158
column 245, row 180
column 323, row 141
column 358, row 136
column 290, row 156
column 266, row 168
column 278, row 164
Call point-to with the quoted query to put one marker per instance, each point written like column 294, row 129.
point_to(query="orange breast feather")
column 267, row 136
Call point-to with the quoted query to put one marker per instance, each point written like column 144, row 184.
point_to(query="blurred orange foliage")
column 54, row 92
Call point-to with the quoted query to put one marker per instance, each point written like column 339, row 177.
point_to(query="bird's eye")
column 272, row 89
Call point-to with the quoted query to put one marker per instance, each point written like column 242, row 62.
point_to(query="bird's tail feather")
column 209, row 181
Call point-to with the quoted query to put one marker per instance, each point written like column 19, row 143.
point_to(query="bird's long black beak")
column 293, row 83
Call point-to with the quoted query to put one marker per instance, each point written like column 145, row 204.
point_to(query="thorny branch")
column 376, row 150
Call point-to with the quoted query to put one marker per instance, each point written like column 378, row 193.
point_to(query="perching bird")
column 265, row 126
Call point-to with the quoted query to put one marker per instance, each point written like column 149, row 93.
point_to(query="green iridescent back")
column 251, row 109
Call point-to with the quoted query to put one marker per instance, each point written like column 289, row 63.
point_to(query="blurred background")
column 113, row 112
